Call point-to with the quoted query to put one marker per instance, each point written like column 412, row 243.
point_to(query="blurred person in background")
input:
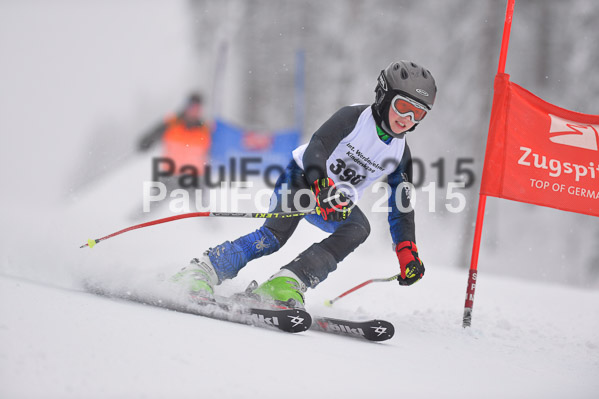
column 354, row 148
column 186, row 142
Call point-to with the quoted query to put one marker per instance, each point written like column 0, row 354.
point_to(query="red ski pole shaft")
column 256, row 215
column 357, row 287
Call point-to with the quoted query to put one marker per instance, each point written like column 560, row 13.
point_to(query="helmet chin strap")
column 391, row 133
column 383, row 124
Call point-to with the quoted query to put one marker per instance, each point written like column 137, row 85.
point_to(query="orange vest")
column 186, row 145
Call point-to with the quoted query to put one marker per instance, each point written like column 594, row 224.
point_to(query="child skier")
column 350, row 151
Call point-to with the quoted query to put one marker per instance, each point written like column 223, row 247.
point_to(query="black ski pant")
column 315, row 263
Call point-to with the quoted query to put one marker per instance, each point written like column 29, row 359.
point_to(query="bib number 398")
column 345, row 173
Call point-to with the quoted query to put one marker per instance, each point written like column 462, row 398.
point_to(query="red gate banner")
column 540, row 153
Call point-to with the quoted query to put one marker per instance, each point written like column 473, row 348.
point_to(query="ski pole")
column 357, row 287
column 256, row 215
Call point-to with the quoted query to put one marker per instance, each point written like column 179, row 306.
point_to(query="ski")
column 371, row 330
column 243, row 310
column 222, row 308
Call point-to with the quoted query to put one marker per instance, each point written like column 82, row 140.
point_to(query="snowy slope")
column 90, row 77
column 528, row 341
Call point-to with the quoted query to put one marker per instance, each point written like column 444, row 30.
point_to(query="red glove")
column 331, row 203
column 412, row 268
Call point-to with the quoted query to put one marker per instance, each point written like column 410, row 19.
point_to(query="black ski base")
column 287, row 320
column 245, row 310
column 372, row 330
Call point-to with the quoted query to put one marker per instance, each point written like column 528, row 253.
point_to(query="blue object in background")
column 232, row 144
column 230, row 141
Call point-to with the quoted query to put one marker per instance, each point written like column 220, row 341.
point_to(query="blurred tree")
column 542, row 14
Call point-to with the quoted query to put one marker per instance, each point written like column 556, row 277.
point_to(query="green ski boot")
column 283, row 288
column 199, row 278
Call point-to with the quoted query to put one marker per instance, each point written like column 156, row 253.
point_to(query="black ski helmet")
column 194, row 98
column 405, row 78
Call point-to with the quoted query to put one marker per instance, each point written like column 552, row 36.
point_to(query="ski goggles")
column 405, row 106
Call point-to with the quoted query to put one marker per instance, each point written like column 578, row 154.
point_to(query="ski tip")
column 381, row 330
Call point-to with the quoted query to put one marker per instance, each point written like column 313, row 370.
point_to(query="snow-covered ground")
column 527, row 341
